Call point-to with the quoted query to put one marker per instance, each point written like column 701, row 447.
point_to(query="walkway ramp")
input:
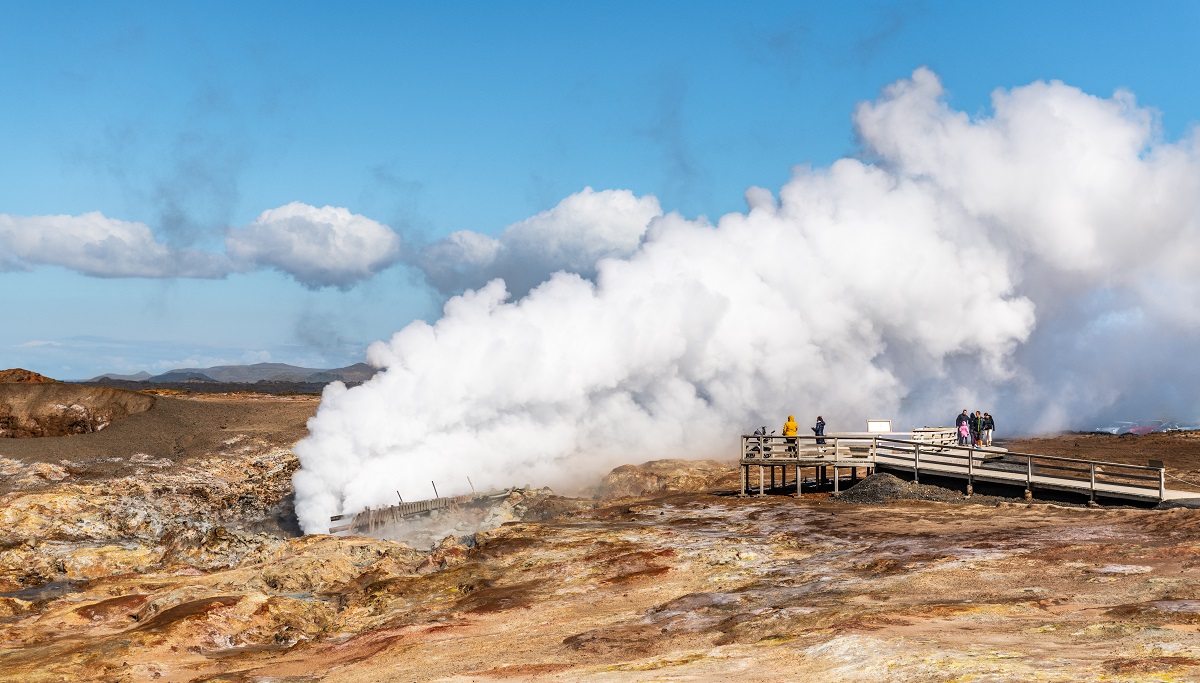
column 370, row 520
column 935, row 452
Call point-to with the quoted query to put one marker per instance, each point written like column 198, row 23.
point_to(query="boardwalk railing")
column 371, row 520
column 935, row 453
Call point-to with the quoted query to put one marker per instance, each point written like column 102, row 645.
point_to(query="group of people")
column 974, row 430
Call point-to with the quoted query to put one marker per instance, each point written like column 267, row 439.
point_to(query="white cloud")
column 96, row 245
column 319, row 247
column 573, row 236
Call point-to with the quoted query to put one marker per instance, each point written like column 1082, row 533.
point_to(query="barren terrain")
column 158, row 549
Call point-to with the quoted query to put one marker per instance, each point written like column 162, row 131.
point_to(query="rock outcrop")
column 40, row 409
column 668, row 476
column 23, row 376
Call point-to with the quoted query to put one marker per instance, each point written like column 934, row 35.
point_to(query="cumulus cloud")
column 96, row 245
column 573, row 236
column 318, row 247
column 1019, row 260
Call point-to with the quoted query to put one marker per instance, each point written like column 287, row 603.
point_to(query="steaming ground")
column 1027, row 262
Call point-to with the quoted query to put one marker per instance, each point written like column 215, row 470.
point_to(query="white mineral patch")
column 1121, row 569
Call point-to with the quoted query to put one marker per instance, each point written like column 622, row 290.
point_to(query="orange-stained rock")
column 668, row 476
column 22, row 375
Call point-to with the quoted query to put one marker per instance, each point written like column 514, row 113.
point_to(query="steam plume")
column 1002, row 262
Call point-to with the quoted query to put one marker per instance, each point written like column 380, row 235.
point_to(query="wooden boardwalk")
column 934, row 453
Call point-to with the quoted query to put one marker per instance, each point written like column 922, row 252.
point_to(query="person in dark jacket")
column 989, row 426
column 976, row 428
column 958, row 423
column 819, row 429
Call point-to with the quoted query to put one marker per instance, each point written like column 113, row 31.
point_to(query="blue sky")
column 194, row 118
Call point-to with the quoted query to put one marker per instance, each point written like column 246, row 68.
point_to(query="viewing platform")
column 934, row 452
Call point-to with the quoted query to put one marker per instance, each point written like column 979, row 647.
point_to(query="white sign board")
column 879, row 426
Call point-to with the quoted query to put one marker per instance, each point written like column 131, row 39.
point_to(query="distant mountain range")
column 249, row 374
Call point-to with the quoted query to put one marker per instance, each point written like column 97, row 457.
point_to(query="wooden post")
column 761, row 480
column 1162, row 484
column 836, row 493
column 1028, row 477
column 435, row 493
column 970, row 474
column 745, row 479
column 1092, row 500
column 917, row 464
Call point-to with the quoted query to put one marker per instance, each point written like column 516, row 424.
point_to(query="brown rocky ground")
column 156, row 567
column 180, row 429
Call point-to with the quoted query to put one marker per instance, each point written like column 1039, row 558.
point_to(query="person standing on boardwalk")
column 789, row 433
column 819, row 429
column 959, row 421
column 989, row 426
column 976, row 428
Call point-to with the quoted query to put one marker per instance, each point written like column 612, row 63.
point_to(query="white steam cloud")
column 1010, row 262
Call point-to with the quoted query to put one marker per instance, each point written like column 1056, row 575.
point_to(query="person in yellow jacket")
column 790, row 427
column 789, row 433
